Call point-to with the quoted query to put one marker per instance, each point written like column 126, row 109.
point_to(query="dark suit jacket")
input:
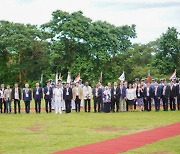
column 13, row 93
column 150, row 92
column 118, row 93
column 177, row 90
column 29, row 98
column 167, row 92
column 158, row 93
column 67, row 97
column 141, row 93
column 100, row 92
column 173, row 92
column 50, row 93
column 35, row 96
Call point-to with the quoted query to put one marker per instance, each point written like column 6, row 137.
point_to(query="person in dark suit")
column 48, row 95
column 16, row 97
column 157, row 96
column 165, row 95
column 37, row 95
column 178, row 93
column 27, row 97
column 148, row 96
column 67, row 96
column 2, row 99
column 115, row 95
column 172, row 96
column 97, row 97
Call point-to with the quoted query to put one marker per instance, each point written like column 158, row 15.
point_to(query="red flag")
column 149, row 77
column 77, row 78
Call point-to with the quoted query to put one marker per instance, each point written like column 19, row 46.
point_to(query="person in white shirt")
column 58, row 99
column 130, row 97
column 7, row 97
column 16, row 97
column 87, row 94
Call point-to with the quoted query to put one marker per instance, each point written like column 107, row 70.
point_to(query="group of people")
column 67, row 96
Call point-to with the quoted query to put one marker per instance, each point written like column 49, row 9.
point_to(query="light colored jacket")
column 7, row 94
column 87, row 92
column 80, row 92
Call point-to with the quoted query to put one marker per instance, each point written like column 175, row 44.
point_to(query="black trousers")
column 157, row 103
column 48, row 105
column 87, row 102
column 17, row 102
column 134, row 104
column 147, row 104
column 1, row 105
column 165, row 103
column 68, row 106
column 2, row 102
column 27, row 106
column 97, row 102
column 172, row 104
column 178, row 102
column 77, row 104
column 38, row 106
column 115, row 101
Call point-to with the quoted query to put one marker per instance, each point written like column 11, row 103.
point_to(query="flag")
column 173, row 76
column 100, row 78
column 60, row 77
column 69, row 77
column 77, row 78
column 56, row 79
column 122, row 77
column 149, row 77
column 41, row 81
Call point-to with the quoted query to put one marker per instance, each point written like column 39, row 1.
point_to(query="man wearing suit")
column 97, row 97
column 172, row 96
column 148, row 96
column 122, row 97
column 27, row 97
column 37, row 95
column 165, row 95
column 2, row 99
column 16, row 97
column 115, row 95
column 77, row 96
column 67, row 96
column 178, row 93
column 157, row 96
column 48, row 95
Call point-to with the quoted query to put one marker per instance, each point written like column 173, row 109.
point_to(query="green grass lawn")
column 47, row 133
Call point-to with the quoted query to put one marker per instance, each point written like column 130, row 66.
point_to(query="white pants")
column 58, row 106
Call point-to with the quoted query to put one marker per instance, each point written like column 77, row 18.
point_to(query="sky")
column 152, row 17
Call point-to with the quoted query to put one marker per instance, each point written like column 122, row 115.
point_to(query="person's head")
column 80, row 81
column 2, row 86
column 67, row 85
column 87, row 83
column 97, row 85
column 16, row 85
column 58, row 86
column 37, row 84
column 121, row 83
column 130, row 86
column 165, row 83
column 106, row 88
column 48, row 83
column 172, row 82
column 115, row 84
column 109, row 84
column 100, row 84
column 59, row 81
column 156, row 84
column 77, row 84
column 8, row 86
column 147, row 84
column 125, row 83
column 139, row 85
column 26, row 85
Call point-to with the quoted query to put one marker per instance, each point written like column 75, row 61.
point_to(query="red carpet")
column 127, row 142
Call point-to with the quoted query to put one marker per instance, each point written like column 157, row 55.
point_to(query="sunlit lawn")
column 47, row 133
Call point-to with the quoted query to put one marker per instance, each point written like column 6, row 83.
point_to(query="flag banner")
column 69, row 77
column 56, row 79
column 41, row 81
column 122, row 77
column 173, row 76
column 149, row 77
column 77, row 78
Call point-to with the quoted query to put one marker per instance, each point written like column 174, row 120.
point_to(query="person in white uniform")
column 58, row 98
